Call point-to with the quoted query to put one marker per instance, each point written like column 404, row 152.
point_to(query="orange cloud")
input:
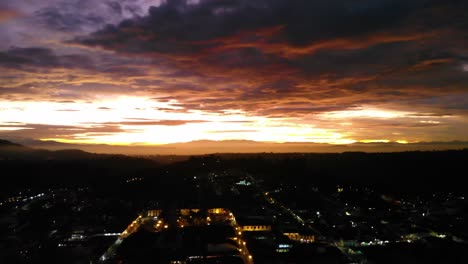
column 8, row 14
column 272, row 41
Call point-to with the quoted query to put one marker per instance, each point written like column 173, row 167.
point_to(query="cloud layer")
column 300, row 64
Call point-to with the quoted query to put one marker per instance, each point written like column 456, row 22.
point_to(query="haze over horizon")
column 155, row 72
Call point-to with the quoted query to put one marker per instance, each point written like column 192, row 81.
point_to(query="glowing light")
column 124, row 120
column 465, row 67
column 127, row 120
column 12, row 128
column 364, row 113
column 429, row 122
column 374, row 141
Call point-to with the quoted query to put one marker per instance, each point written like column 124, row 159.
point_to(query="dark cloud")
column 171, row 110
column 115, row 6
column 61, row 20
column 42, row 73
column 446, row 103
column 306, row 109
column 66, row 102
column 308, row 21
column 356, row 52
column 177, row 27
column 20, row 90
column 80, row 16
column 38, row 59
column 42, row 57
column 61, row 131
column 430, row 115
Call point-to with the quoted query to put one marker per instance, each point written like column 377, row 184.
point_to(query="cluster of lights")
column 20, row 198
column 159, row 225
column 375, row 242
column 112, row 234
column 34, row 197
column 134, row 180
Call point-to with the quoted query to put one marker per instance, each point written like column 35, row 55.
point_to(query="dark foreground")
column 75, row 207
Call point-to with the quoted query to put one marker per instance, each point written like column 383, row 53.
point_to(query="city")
column 213, row 209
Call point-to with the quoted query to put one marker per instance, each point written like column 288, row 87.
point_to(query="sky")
column 151, row 72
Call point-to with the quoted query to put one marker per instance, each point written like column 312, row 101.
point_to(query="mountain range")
column 228, row 146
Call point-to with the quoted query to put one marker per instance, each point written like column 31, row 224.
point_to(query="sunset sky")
column 157, row 72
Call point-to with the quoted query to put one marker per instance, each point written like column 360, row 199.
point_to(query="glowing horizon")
column 80, row 122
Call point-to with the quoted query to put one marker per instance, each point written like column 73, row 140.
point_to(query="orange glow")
column 124, row 120
column 129, row 114
column 375, row 141
column 365, row 113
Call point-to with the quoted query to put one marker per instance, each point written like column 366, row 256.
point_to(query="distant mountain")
column 10, row 150
column 14, row 151
column 6, row 143
column 200, row 147
column 28, row 167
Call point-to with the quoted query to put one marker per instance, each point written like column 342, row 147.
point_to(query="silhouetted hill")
column 23, row 167
column 14, row 151
column 10, row 150
column 201, row 147
column 6, row 143
column 415, row 171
